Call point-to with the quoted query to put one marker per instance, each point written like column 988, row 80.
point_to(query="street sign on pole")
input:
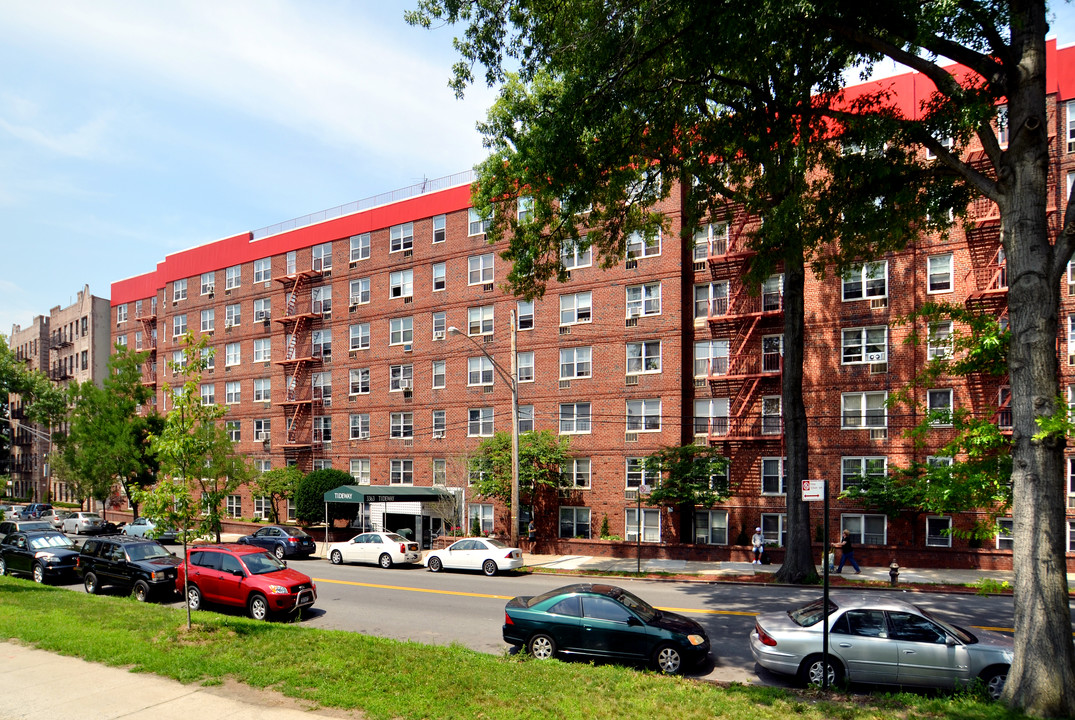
column 813, row 490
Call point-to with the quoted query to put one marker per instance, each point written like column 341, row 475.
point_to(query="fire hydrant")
column 894, row 572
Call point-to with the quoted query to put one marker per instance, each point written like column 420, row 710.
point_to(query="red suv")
column 246, row 577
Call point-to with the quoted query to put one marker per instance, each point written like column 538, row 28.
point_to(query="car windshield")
column 146, row 551
column 295, row 532
column 810, row 614
column 262, row 563
column 392, row 537
column 641, row 608
column 36, row 525
column 43, row 542
column 954, row 630
column 495, row 543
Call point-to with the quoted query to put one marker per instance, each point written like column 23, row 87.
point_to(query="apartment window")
column 575, row 522
column 639, row 246
column 939, row 405
column 322, row 464
column 440, row 274
column 400, row 377
column 208, row 393
column 524, row 209
column 479, row 371
column 359, row 336
column 644, row 357
column 864, row 410
column 440, row 472
column 232, row 315
column 401, row 331
column 480, row 269
column 262, row 429
column 322, row 428
column 402, row 425
column 233, row 277
column 646, row 523
column 360, row 426
column 854, row 469
column 121, row 313
column 401, row 237
column 360, row 247
column 401, row 284
column 208, row 356
column 440, row 223
column 137, row 344
column 233, row 429
column 576, row 254
column 710, row 239
column 938, row 532
column 711, row 358
column 179, row 290
column 939, row 271
column 262, row 389
column 638, row 475
column 289, row 264
column 233, row 506
column 775, row 525
column 643, row 300
column 526, row 314
column 482, row 515
column 575, row 473
column 865, row 529
column 263, row 270
column 179, row 361
column 262, row 309
column 1006, row 526
column 711, row 299
column 575, row 362
column 772, row 350
column 711, row 527
column 440, row 423
column 574, row 418
column 233, row 393
column 322, row 257
column 865, row 345
column 526, row 418
column 401, row 472
column 526, row 366
column 869, row 280
column 480, row 422
column 939, row 345
column 208, row 283
column 644, row 415
column 179, row 326
column 480, row 320
column 358, row 381
column 772, row 293
column 439, row 372
column 232, row 354
column 207, row 320
column 576, row 308
column 262, row 350
column 322, row 344
column 360, row 291
column 1070, row 108
column 476, row 224
column 711, row 416
column 774, row 477
column 322, row 387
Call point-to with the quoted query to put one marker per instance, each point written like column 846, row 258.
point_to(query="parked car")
column 56, row 517
column 41, row 554
column 876, row 639
column 83, row 523
column 33, row 511
column 244, row 576
column 144, row 527
column 282, row 541
column 9, row 512
column 10, row 526
column 603, row 621
column 140, row 565
column 486, row 554
column 383, row 548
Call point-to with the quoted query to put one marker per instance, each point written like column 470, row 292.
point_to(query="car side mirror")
column 950, row 641
column 238, row 573
column 633, row 622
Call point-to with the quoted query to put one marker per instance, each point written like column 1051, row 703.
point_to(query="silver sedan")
column 878, row 640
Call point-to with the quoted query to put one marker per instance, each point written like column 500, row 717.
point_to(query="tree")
column 171, row 503
column 691, row 475
column 310, row 496
column 542, row 454
column 279, row 485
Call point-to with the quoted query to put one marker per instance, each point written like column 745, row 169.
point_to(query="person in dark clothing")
column 847, row 552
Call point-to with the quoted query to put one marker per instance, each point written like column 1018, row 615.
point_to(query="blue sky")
column 132, row 129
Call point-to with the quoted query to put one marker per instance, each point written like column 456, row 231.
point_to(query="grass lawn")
column 390, row 679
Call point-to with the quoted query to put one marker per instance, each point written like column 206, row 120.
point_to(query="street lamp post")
column 512, row 381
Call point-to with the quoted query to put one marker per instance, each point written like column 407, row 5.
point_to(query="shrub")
column 310, row 496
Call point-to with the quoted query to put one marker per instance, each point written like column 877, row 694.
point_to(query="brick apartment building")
column 333, row 350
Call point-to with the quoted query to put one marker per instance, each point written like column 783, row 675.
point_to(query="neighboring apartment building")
column 29, row 449
column 333, row 350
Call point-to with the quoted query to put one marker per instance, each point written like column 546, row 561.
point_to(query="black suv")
column 140, row 565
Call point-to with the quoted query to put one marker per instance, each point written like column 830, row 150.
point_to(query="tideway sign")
column 353, row 494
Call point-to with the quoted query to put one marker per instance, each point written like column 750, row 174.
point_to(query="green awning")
column 384, row 493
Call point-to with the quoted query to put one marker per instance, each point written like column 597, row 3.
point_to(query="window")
column 400, row 377
column 1006, row 526
column 234, row 506
column 939, row 405
column 360, row 247
column 576, row 254
column 121, row 313
column 711, row 527
column 480, row 422
column 440, row 325
column 646, row 524
column 402, row 425
column 322, row 257
column 644, row 357
column 401, row 284
column 207, row 320
column 711, row 299
column 939, row 270
column 771, row 421
column 1070, row 108
column 179, row 326
column 263, row 270
column 400, row 331
column 479, row 371
column 439, row 370
column 262, row 507
column 774, row 477
column 476, row 224
column 865, row 529
column 262, row 350
column 772, row 293
column 644, row 415
column 711, row 416
column 939, row 345
column 401, row 237
column 710, row 239
column 208, row 283
column 480, row 514
column 480, row 269
column 575, row 473
column 938, row 532
column 321, row 300
column 401, row 472
column 639, row 246
column 360, row 291
column 289, row 264
column 262, row 389
column 775, row 525
column 322, row 344
column 232, row 314
column 234, row 430
column 439, row 225
column 179, row 290
column 233, row 277
column 574, row 418
column 440, row 274
column 262, row 309
column 208, row 394
column 440, row 423
column 526, row 418
column 179, row 361
column 575, row 522
column 262, row 429
column 869, row 280
column 946, row 142
column 322, row 428
column 575, row 308
column 524, row 209
column 440, row 472
column 358, row 381
column 232, row 355
column 526, row 314
column 710, row 358
column 864, row 410
column 360, row 426
column 865, row 345
column 643, row 300
column 480, row 320
column 525, row 367
column 772, row 350
column 322, row 387
column 854, row 469
column 575, row 362
column 359, row 336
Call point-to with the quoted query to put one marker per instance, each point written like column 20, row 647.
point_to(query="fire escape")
column 149, row 341
column 60, row 366
column 300, row 314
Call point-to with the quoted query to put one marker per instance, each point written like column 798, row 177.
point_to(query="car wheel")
column 279, row 552
column 90, row 583
column 541, row 647
column 435, row 565
column 259, row 607
column 811, row 669
column 994, row 679
column 39, row 573
column 667, row 660
column 336, row 557
column 489, row 567
column 194, row 597
column 385, row 561
column 141, row 591
column 3, row 566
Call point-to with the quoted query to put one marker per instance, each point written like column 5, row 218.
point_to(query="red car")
column 246, row 577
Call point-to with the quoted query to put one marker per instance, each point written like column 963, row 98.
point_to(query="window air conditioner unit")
column 487, row 287
column 438, row 433
column 875, row 357
column 407, row 347
column 438, row 334
column 631, row 437
column 355, row 300
column 404, row 384
column 631, row 380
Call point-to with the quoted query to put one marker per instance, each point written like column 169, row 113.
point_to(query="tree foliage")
column 310, row 496
column 690, row 475
column 542, row 454
column 279, row 485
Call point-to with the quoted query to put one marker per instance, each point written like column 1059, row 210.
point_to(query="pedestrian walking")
column 531, row 531
column 847, row 553
column 757, row 543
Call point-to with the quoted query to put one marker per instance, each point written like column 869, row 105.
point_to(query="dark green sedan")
column 603, row 621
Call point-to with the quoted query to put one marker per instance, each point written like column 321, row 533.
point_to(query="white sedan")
column 383, row 548
column 485, row 554
column 82, row 523
column 144, row 527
